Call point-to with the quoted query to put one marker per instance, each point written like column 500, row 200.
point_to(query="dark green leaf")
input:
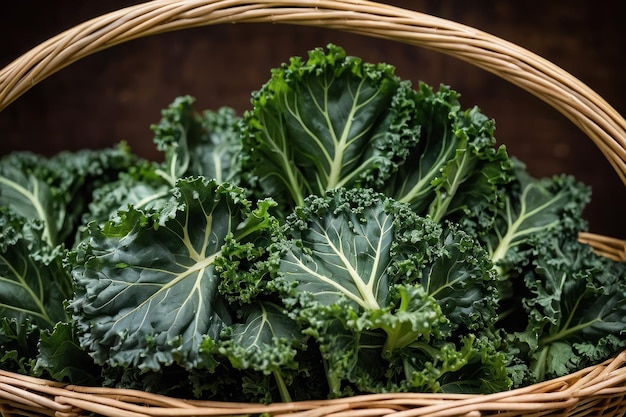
column 147, row 289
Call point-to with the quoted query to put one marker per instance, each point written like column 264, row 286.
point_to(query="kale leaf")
column 576, row 311
column 455, row 170
column 367, row 277
column 325, row 122
column 146, row 286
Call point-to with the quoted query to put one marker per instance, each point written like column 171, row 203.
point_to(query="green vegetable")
column 266, row 342
column 348, row 234
column 535, row 208
column 61, row 357
column 146, row 287
column 41, row 205
column 57, row 190
column 359, row 266
column 35, row 283
column 454, row 170
column 193, row 144
column 330, row 121
column 577, row 311
column 204, row 144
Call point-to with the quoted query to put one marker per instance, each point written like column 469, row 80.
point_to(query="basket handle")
column 576, row 101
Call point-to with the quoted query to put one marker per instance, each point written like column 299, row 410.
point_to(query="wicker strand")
column 610, row 247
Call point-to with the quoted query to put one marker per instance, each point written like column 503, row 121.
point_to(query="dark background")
column 116, row 94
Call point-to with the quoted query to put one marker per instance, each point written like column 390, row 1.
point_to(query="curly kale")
column 373, row 282
column 329, row 121
column 350, row 233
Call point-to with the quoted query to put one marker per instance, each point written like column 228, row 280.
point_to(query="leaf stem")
column 564, row 334
column 285, row 396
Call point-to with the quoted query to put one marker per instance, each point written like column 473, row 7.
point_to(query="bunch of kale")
column 348, row 234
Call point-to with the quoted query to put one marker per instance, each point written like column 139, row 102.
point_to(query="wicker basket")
column 598, row 390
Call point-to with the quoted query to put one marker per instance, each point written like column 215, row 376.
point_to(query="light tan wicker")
column 598, row 390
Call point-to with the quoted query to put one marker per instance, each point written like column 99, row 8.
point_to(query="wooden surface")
column 116, row 94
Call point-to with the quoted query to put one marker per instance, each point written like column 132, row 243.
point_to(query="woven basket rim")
column 605, row 379
column 576, row 101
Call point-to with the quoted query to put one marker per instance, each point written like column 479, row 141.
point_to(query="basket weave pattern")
column 598, row 390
